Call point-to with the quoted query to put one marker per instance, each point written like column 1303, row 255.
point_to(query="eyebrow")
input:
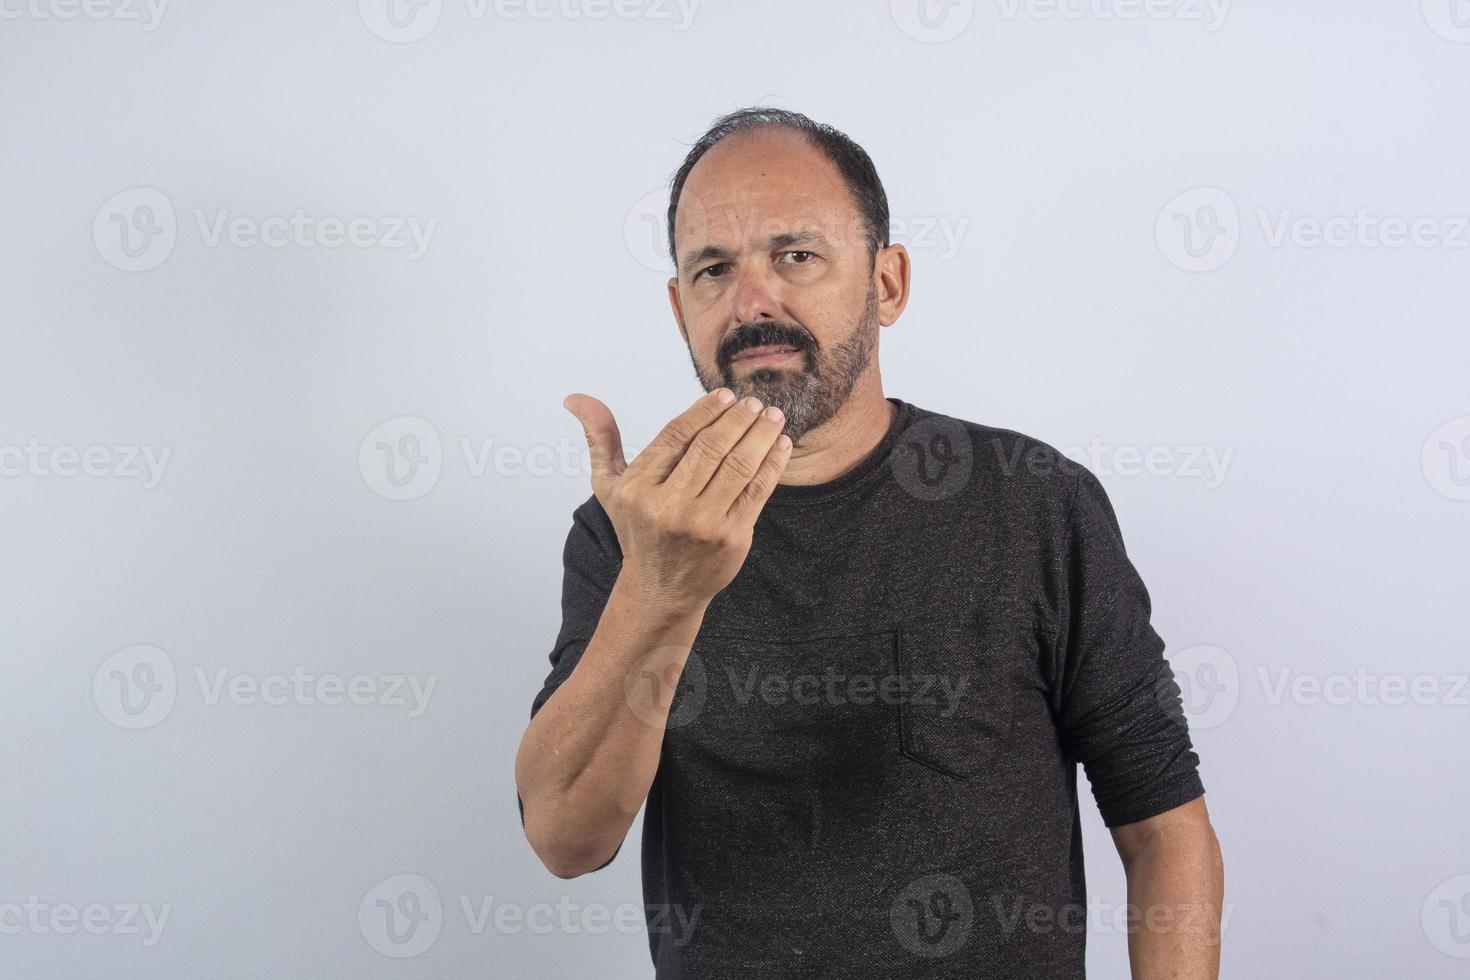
column 774, row 242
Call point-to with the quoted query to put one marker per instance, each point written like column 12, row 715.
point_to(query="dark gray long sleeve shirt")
column 870, row 767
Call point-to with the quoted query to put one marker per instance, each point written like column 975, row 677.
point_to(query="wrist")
column 648, row 599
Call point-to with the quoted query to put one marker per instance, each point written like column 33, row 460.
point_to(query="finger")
column 708, row 449
column 659, row 457
column 743, row 460
column 750, row 501
column 604, row 441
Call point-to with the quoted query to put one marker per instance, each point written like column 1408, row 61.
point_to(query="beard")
column 810, row 394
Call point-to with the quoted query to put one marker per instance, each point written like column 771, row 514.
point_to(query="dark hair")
column 851, row 160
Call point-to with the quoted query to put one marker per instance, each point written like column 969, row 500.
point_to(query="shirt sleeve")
column 591, row 560
column 590, row 564
column 1119, row 711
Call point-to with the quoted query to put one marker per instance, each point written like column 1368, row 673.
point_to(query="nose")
column 755, row 297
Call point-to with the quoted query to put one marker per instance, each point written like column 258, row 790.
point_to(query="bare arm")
column 1176, row 887
column 684, row 512
column 588, row 758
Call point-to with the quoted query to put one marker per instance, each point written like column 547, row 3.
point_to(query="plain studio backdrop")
column 292, row 294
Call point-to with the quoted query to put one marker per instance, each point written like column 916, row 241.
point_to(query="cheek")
column 825, row 319
column 832, row 305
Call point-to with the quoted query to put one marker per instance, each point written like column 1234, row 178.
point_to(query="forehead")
column 758, row 183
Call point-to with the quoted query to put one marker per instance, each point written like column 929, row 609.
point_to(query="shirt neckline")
column 806, row 493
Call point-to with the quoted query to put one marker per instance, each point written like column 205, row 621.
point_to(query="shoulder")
column 1007, row 468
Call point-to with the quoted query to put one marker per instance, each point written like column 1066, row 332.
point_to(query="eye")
column 805, row 255
column 709, row 269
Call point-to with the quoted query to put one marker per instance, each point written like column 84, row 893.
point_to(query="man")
column 849, row 651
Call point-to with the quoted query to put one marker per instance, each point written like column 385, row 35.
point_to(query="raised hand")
column 685, row 508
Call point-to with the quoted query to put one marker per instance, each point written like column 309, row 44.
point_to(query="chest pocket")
column 849, row 710
column 957, row 715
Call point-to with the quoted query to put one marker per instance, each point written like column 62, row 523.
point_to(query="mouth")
column 764, row 356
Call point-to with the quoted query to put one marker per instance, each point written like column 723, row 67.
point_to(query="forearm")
column 1176, row 885
column 590, row 754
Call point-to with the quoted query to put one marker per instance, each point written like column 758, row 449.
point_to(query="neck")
column 844, row 440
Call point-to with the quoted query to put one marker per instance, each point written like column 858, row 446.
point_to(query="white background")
column 1065, row 151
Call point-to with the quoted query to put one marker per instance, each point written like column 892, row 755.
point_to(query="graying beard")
column 815, row 397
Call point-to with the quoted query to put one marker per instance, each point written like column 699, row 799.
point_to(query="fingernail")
column 725, row 396
column 754, row 404
column 773, row 413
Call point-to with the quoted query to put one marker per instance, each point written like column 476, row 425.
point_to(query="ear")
column 891, row 269
column 678, row 310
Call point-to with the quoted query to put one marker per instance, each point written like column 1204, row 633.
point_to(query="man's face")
column 774, row 286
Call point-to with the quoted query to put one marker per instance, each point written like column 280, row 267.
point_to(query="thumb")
column 603, row 438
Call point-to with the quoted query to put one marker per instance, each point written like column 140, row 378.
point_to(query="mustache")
column 762, row 335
